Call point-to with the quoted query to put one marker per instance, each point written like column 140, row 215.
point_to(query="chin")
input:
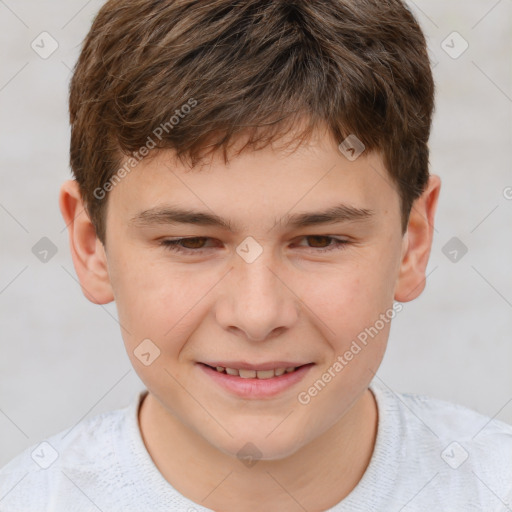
column 254, row 445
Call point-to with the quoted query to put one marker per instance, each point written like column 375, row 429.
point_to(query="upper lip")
column 242, row 365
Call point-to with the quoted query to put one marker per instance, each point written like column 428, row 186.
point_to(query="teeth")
column 251, row 374
column 247, row 374
column 265, row 374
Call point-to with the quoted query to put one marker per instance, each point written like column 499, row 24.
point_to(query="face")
column 290, row 258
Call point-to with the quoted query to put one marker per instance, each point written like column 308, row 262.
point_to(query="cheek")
column 165, row 302
column 157, row 303
column 156, row 300
column 351, row 298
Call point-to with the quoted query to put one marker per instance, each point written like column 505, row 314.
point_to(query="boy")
column 252, row 189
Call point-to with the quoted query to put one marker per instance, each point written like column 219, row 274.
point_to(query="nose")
column 257, row 299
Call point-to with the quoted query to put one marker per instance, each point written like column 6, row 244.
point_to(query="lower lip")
column 256, row 388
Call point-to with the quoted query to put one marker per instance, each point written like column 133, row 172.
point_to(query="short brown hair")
column 251, row 67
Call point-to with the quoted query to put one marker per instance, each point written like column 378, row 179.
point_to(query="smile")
column 255, row 374
column 253, row 381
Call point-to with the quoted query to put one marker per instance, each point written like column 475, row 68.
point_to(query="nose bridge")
column 257, row 300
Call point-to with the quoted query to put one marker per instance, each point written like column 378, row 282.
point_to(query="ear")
column 417, row 243
column 87, row 251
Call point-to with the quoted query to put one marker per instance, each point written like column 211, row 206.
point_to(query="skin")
column 292, row 303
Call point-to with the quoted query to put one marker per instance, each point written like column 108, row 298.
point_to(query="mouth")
column 255, row 381
column 246, row 373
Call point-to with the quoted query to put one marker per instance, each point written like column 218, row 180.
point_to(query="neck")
column 315, row 478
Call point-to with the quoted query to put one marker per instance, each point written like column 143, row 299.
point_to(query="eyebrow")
column 173, row 215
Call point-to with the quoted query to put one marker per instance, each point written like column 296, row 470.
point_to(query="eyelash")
column 173, row 245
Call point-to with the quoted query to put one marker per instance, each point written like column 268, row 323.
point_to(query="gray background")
column 62, row 358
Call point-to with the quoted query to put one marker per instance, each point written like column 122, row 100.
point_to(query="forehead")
column 270, row 185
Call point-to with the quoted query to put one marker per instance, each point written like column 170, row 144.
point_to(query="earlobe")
column 418, row 243
column 87, row 251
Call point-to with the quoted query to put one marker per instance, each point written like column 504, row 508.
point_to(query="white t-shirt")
column 429, row 456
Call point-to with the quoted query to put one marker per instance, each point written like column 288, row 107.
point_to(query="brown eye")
column 325, row 241
column 192, row 244
column 197, row 244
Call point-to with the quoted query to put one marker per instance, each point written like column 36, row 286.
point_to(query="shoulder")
column 448, row 420
column 459, row 454
column 441, row 417
column 62, row 464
